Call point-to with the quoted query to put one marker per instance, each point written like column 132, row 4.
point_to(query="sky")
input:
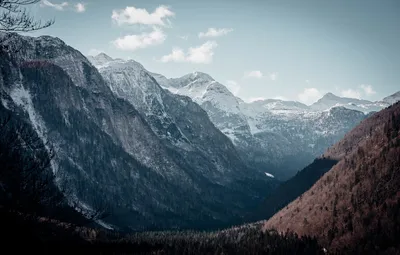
column 286, row 49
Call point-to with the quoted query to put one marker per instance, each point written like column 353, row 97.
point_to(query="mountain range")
column 271, row 136
column 162, row 153
column 275, row 136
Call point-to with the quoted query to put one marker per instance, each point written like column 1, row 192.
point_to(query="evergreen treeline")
column 53, row 237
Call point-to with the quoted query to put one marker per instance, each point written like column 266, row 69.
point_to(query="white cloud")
column 132, row 15
column 351, row 93
column 80, row 7
column 368, row 90
column 184, row 37
column 177, row 55
column 59, row 7
column 215, row 32
column 143, row 40
column 273, row 76
column 254, row 74
column 309, row 95
column 362, row 90
column 233, row 87
column 202, row 54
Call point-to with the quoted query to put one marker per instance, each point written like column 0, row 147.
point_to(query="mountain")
column 392, row 98
column 180, row 123
column 330, row 100
column 294, row 187
column 145, row 162
column 274, row 136
column 355, row 207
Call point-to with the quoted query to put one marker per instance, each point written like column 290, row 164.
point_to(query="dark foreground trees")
column 26, row 178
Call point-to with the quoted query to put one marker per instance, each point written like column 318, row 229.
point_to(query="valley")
column 231, row 128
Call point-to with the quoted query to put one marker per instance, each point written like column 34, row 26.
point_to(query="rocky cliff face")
column 180, row 123
column 143, row 160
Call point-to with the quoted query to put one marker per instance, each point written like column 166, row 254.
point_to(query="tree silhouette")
column 14, row 17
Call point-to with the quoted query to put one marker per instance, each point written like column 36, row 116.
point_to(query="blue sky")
column 296, row 50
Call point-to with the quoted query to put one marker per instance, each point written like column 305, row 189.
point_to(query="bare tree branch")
column 14, row 17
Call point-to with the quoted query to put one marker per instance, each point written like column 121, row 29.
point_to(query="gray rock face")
column 151, row 157
column 179, row 122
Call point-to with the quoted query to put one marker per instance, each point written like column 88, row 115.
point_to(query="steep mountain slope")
column 392, row 98
column 355, row 207
column 215, row 98
column 279, row 137
column 108, row 156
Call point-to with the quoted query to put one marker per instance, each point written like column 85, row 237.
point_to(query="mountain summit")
column 100, row 59
column 330, row 100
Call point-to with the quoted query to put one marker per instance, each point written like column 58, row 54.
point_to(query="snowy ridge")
column 330, row 100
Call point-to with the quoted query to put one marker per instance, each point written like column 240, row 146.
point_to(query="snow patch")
column 104, row 225
column 269, row 175
column 87, row 211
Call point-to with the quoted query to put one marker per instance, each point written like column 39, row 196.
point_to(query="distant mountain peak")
column 330, row 100
column 199, row 75
column 330, row 95
column 100, row 59
column 102, row 55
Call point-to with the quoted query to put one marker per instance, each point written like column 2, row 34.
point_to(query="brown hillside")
column 354, row 207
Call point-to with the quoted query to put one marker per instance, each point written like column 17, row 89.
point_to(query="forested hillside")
column 355, row 207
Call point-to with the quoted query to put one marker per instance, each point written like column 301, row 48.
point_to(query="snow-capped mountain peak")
column 100, row 59
column 200, row 76
column 331, row 100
